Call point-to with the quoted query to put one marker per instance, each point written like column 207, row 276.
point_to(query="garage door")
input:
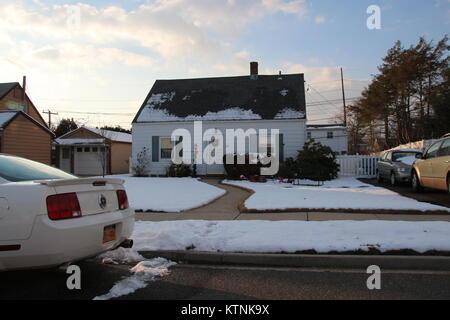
column 88, row 161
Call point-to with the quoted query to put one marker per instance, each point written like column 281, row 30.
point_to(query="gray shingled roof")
column 7, row 87
column 263, row 98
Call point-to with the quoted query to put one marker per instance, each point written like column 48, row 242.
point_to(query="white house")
column 334, row 136
column 246, row 102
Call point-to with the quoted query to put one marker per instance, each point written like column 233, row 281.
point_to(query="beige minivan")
column 432, row 170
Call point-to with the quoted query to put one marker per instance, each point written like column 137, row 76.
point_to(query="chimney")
column 254, row 70
column 24, row 86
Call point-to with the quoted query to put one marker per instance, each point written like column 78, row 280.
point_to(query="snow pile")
column 120, row 256
column 407, row 160
column 342, row 193
column 291, row 236
column 143, row 273
column 168, row 194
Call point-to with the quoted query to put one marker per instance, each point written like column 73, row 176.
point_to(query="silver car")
column 395, row 165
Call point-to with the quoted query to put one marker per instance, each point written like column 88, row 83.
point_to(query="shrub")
column 235, row 170
column 142, row 163
column 179, row 171
column 316, row 162
column 288, row 169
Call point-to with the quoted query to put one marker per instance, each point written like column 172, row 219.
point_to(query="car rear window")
column 16, row 169
column 399, row 155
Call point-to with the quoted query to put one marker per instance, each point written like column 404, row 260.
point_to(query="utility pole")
column 343, row 98
column 50, row 116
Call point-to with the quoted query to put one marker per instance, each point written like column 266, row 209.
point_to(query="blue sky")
column 108, row 62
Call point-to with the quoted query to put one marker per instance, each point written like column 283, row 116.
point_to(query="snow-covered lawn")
column 342, row 193
column 168, row 194
column 291, row 236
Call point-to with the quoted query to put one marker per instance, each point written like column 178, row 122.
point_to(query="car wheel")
column 393, row 180
column 415, row 182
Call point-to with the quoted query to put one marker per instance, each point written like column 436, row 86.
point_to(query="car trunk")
column 95, row 196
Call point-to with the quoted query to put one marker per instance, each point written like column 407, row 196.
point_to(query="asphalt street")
column 204, row 282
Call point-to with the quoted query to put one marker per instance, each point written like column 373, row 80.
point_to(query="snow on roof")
column 5, row 117
column 156, row 115
column 112, row 135
column 69, row 142
column 225, row 98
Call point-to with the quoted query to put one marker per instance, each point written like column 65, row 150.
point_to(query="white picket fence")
column 358, row 166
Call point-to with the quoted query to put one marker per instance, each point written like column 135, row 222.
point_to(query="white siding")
column 338, row 144
column 294, row 135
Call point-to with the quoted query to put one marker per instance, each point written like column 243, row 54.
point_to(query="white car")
column 49, row 217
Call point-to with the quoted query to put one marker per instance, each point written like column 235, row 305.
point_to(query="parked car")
column 433, row 170
column 395, row 166
column 49, row 217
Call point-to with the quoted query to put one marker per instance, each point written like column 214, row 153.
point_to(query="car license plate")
column 109, row 233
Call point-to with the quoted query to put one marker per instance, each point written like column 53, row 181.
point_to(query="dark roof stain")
column 266, row 96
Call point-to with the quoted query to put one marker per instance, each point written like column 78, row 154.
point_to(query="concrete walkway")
column 226, row 208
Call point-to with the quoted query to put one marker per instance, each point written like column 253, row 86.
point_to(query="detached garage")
column 92, row 152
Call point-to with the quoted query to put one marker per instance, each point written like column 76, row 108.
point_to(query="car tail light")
column 63, row 206
column 123, row 199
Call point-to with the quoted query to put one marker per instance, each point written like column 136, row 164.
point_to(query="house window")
column 94, row 149
column 79, row 149
column 166, row 148
column 308, row 135
column 330, row 135
column 66, row 153
column 87, row 149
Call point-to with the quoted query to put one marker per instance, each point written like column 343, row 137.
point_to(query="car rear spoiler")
column 71, row 182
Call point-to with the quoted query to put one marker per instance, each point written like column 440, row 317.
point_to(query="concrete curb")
column 429, row 263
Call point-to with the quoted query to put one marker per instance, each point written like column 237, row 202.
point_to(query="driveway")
column 436, row 197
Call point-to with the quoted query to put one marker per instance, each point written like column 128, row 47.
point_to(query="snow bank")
column 120, row 256
column 143, row 273
column 168, row 194
column 343, row 193
column 291, row 236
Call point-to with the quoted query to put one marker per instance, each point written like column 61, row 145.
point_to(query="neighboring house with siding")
column 91, row 152
column 333, row 136
column 245, row 102
column 23, row 132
